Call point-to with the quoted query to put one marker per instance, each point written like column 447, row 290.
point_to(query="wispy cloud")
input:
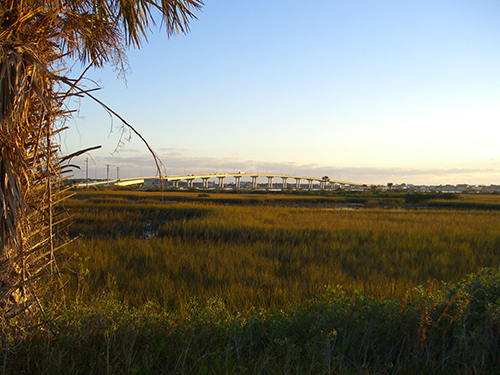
column 175, row 162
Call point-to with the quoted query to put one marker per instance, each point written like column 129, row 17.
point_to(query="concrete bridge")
column 220, row 179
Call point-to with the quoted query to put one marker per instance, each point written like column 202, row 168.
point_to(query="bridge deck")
column 207, row 176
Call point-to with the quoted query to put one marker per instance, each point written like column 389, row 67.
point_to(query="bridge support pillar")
column 285, row 182
column 310, row 184
column 176, row 183
column 205, row 182
column 254, row 182
column 270, row 182
column 237, row 181
column 297, row 184
column 221, row 181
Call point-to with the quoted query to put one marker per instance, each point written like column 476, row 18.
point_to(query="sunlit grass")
column 270, row 256
column 266, row 288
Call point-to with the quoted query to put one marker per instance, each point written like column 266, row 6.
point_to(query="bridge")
column 174, row 181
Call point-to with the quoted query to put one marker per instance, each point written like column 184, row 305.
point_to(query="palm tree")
column 38, row 39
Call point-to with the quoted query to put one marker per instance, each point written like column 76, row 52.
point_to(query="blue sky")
column 364, row 91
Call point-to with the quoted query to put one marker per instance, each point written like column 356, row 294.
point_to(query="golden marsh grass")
column 273, row 255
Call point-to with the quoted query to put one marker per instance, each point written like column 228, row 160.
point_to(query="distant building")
column 423, row 189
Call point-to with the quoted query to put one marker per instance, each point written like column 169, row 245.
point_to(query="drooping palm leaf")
column 36, row 38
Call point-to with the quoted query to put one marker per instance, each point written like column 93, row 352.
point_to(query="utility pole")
column 107, row 175
column 117, row 174
column 87, row 171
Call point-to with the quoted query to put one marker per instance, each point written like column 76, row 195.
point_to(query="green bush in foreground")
column 446, row 330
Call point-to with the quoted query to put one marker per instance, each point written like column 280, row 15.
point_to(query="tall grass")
column 200, row 288
column 273, row 256
column 453, row 329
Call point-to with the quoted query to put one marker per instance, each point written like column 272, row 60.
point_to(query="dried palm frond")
column 29, row 169
column 36, row 36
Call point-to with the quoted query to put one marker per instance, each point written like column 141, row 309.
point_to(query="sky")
column 363, row 91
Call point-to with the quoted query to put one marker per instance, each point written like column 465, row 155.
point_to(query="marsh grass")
column 272, row 255
column 230, row 289
column 450, row 329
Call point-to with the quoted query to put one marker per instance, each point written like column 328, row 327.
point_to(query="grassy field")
column 270, row 255
column 197, row 283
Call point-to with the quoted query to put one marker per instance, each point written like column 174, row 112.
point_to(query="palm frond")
column 36, row 38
